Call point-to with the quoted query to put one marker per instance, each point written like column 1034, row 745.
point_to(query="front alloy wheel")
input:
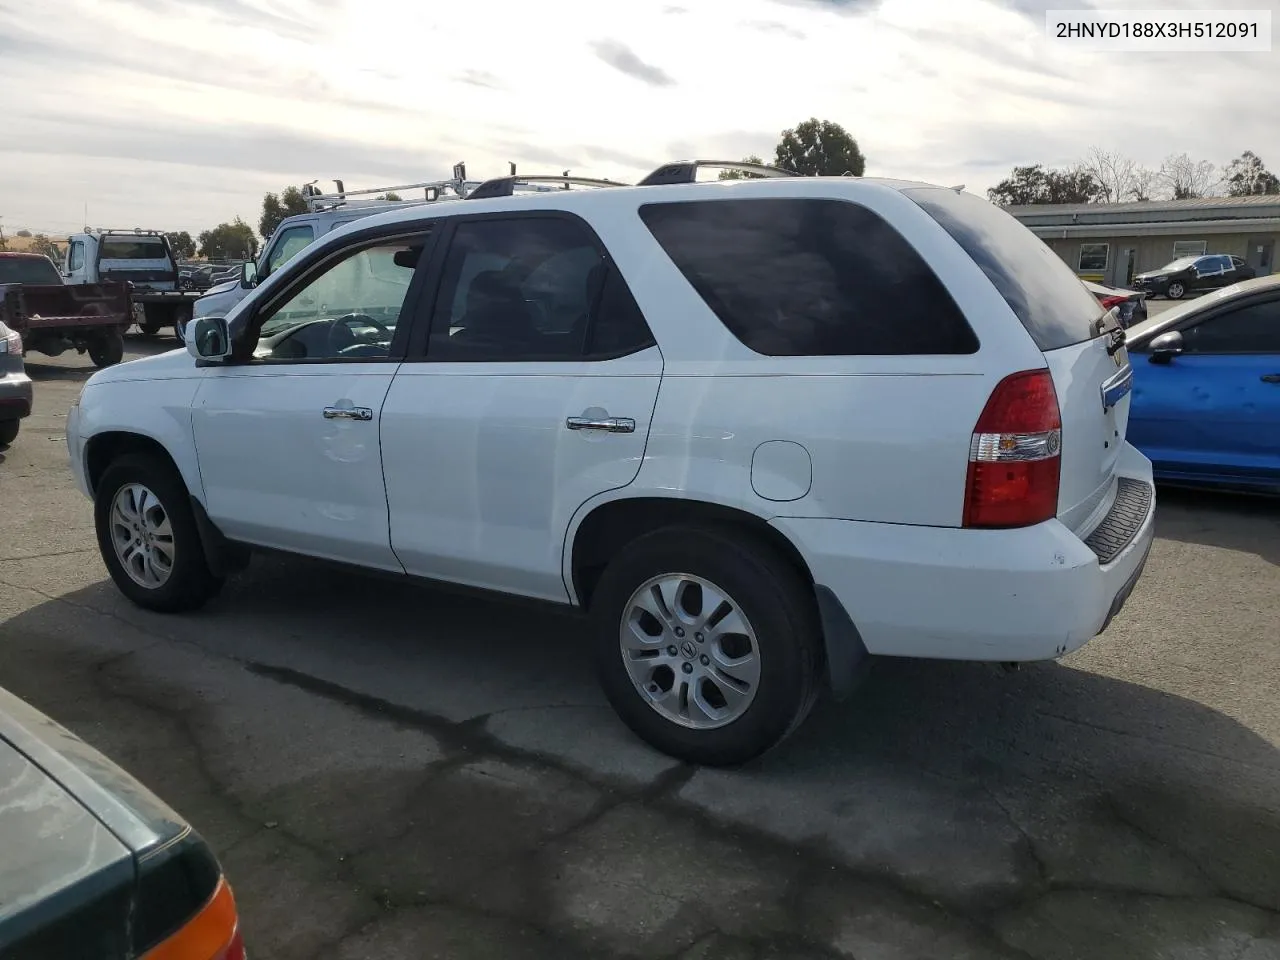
column 1176, row 290
column 142, row 536
column 690, row 651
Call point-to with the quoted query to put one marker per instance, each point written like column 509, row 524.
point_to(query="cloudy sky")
column 178, row 114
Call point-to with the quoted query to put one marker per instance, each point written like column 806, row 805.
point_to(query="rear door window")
column 796, row 277
column 1043, row 292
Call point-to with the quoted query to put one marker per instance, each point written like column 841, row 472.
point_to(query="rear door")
column 532, row 393
column 1082, row 343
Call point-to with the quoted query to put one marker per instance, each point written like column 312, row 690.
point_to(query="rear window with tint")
column 792, row 277
column 28, row 270
column 1044, row 293
column 142, row 248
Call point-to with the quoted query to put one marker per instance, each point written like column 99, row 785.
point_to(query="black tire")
column 775, row 599
column 8, row 431
column 107, row 348
column 155, row 316
column 190, row 584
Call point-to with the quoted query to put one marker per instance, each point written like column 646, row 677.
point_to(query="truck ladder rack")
column 432, row 190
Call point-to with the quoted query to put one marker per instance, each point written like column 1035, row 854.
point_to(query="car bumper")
column 15, row 396
column 1034, row 593
column 75, row 451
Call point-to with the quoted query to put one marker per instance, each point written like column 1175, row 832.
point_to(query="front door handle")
column 348, row 413
column 1271, row 378
column 607, row 424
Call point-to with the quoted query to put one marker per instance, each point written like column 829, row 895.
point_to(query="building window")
column 1189, row 248
column 1093, row 257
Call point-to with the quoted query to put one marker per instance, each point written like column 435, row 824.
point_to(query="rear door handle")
column 1271, row 378
column 607, row 424
column 348, row 413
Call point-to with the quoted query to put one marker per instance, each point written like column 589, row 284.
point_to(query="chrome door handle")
column 348, row 413
column 607, row 424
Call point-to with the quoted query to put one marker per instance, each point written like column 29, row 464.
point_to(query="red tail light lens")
column 1015, row 454
column 212, row 934
column 1109, row 302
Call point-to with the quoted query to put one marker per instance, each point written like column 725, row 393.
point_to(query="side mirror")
column 207, row 338
column 1166, row 346
column 248, row 274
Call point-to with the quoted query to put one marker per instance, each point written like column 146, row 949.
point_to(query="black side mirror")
column 1166, row 346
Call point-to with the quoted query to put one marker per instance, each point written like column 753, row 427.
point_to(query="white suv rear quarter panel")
column 888, row 436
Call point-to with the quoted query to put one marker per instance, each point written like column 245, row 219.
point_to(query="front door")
column 1262, row 251
column 1214, row 411
column 532, row 395
column 288, row 444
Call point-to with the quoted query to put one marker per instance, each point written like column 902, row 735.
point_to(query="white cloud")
column 181, row 113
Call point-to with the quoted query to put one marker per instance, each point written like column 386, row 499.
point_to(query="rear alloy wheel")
column 148, row 537
column 1176, row 290
column 107, row 348
column 706, row 644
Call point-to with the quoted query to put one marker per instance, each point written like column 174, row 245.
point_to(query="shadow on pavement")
column 1231, row 521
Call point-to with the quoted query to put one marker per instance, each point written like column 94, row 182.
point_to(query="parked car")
column 53, row 317
column 94, row 864
column 141, row 258
column 1206, row 403
column 15, row 385
column 746, row 425
column 1130, row 305
column 1193, row 275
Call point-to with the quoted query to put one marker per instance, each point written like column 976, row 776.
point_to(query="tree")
column 819, row 148
column 1246, row 176
column 43, row 245
column 741, row 174
column 1118, row 177
column 288, row 203
column 23, row 233
column 1035, row 184
column 1183, row 178
column 389, row 196
column 184, row 248
column 229, row 241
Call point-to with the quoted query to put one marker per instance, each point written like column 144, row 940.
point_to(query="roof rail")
column 506, row 186
column 317, row 200
column 686, row 171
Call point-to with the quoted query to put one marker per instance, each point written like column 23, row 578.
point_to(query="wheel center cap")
column 689, row 650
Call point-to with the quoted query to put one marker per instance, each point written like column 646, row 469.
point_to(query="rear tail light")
column 1109, row 302
column 1015, row 454
column 212, row 934
column 10, row 341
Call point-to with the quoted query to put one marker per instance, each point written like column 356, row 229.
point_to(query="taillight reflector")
column 1109, row 302
column 212, row 934
column 1015, row 454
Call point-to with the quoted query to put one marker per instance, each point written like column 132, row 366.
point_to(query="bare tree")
column 1119, row 178
column 1146, row 183
column 1184, row 178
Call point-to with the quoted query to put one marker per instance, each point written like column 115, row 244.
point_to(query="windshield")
column 134, row 248
column 28, row 270
column 1180, row 264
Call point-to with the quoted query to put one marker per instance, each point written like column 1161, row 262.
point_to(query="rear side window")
column 1044, row 293
column 792, row 277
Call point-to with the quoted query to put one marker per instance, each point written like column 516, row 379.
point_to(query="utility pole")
column 4, row 244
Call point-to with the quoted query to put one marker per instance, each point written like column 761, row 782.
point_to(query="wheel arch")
column 605, row 528
column 103, row 448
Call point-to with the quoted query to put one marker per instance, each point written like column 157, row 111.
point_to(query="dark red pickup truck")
column 54, row 317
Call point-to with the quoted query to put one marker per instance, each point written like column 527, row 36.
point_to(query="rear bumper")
column 15, row 396
column 998, row 595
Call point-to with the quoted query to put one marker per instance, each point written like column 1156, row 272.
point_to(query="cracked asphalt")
column 390, row 771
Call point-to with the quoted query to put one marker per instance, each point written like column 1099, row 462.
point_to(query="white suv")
column 760, row 430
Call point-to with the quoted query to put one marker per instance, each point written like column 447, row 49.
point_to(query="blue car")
column 1206, row 388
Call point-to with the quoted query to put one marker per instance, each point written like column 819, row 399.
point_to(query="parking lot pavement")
column 392, row 771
